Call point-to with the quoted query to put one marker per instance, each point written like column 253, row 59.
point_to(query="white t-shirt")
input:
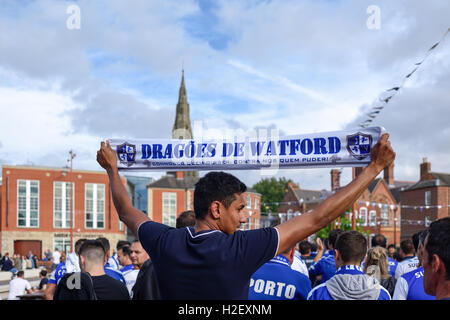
column 17, row 287
column 405, row 266
column 56, row 256
column 114, row 263
column 299, row 265
column 130, row 278
column 72, row 263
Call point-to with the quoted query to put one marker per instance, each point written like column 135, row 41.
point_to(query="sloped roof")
column 373, row 184
column 311, row 196
column 441, row 179
column 444, row 178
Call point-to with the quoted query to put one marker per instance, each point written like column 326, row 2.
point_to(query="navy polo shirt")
column 208, row 264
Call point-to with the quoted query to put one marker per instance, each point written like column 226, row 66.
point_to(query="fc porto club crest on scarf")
column 127, row 153
column 359, row 145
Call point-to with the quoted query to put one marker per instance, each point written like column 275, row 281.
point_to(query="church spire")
column 182, row 126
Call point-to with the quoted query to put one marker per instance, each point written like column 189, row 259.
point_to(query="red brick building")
column 169, row 196
column 297, row 201
column 37, row 204
column 379, row 207
column 425, row 201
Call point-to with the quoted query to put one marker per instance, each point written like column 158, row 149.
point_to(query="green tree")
column 272, row 192
column 346, row 225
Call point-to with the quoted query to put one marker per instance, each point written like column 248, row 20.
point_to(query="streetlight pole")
column 72, row 204
column 395, row 226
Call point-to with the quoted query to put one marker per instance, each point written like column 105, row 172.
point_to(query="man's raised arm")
column 303, row 226
column 131, row 216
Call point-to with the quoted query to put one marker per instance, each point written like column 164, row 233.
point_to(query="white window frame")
column 28, row 203
column 428, row 197
column 372, row 213
column 65, row 224
column 384, row 216
column 249, row 202
column 95, row 200
column 290, row 214
column 169, row 210
column 363, row 215
column 256, row 204
column 65, row 244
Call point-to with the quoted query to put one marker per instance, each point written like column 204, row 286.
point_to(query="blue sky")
column 298, row 66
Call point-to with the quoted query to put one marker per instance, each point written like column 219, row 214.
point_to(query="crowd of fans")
column 343, row 266
column 207, row 257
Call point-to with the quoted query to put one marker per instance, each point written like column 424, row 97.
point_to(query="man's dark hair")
column 304, row 247
column 325, row 243
column 422, row 236
column 186, row 219
column 439, row 242
column 126, row 250
column 415, row 240
column 407, row 246
column 43, row 273
column 333, row 235
column 378, row 240
column 352, row 246
column 392, row 246
column 215, row 186
column 20, row 274
column 78, row 245
column 122, row 243
column 93, row 250
column 105, row 243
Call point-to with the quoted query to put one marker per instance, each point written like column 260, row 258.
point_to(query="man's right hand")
column 106, row 156
column 382, row 154
column 319, row 244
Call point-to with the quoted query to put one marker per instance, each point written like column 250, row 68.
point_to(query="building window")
column 249, row 202
column 427, row 198
column 95, row 206
column 363, row 216
column 256, row 204
column 289, row 214
column 373, row 218
column 62, row 204
column 384, row 215
column 169, row 212
column 63, row 244
column 427, row 221
column 27, row 203
column 120, row 225
column 189, row 200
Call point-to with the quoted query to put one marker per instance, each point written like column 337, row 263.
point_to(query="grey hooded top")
column 353, row 287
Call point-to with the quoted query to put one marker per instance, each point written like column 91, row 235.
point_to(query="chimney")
column 179, row 174
column 425, row 168
column 389, row 175
column 291, row 185
column 335, row 179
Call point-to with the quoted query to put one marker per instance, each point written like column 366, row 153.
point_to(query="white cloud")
column 299, row 66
